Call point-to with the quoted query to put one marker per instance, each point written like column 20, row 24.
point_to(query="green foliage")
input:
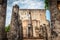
column 7, row 28
column 46, row 4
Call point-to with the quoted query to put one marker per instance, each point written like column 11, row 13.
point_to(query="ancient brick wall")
column 3, row 5
column 15, row 32
column 55, row 19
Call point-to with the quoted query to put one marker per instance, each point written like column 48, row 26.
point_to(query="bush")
column 7, row 28
column 46, row 4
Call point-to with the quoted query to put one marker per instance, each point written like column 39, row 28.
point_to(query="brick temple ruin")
column 28, row 23
column 23, row 28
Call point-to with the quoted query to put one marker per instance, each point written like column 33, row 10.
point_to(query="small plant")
column 7, row 28
column 46, row 4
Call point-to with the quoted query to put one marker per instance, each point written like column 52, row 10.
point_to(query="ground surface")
column 33, row 39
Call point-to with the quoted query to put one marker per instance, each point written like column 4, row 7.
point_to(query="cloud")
column 8, row 15
column 30, row 4
column 36, row 5
column 16, row 2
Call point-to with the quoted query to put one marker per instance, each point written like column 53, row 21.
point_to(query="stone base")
column 32, row 39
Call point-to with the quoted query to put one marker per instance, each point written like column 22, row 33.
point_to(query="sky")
column 25, row 4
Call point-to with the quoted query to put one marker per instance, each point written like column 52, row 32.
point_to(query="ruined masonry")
column 3, row 5
column 15, row 32
column 28, row 24
column 54, row 6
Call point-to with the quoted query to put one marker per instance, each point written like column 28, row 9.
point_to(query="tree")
column 46, row 4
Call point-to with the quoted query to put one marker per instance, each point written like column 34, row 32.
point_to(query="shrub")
column 7, row 28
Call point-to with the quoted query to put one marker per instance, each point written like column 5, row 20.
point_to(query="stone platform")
column 32, row 39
